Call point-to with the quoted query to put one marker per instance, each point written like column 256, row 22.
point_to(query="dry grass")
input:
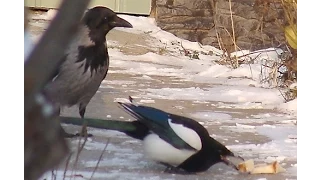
column 72, row 166
column 100, row 158
column 289, row 60
column 233, row 35
column 271, row 72
column 227, row 41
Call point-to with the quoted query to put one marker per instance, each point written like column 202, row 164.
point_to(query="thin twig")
column 96, row 167
column 251, row 71
column 233, row 33
column 53, row 175
column 233, row 40
column 283, row 96
column 80, row 148
column 67, row 164
column 215, row 22
column 259, row 51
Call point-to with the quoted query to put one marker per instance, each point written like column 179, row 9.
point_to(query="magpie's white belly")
column 161, row 151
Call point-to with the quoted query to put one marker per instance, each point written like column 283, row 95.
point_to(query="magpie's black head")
column 225, row 155
column 100, row 20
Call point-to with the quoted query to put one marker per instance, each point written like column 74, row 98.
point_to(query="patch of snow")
column 278, row 149
column 290, row 107
column 51, row 13
column 118, row 82
column 147, row 101
column 211, row 116
column 229, row 94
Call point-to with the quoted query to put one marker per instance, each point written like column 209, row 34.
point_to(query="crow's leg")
column 84, row 132
column 63, row 132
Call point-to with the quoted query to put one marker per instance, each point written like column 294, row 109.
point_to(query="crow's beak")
column 119, row 22
column 232, row 160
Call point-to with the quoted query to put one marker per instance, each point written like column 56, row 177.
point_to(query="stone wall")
column 256, row 22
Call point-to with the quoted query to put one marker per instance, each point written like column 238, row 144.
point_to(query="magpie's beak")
column 119, row 22
column 232, row 160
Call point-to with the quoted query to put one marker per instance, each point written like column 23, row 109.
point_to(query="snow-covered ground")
column 232, row 100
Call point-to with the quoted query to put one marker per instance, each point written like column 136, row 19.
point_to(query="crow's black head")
column 100, row 20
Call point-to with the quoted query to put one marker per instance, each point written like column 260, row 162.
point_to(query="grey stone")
column 203, row 20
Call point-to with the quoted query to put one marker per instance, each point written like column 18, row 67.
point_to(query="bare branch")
column 46, row 55
column 44, row 144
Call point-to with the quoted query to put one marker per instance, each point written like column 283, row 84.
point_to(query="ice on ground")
column 231, row 94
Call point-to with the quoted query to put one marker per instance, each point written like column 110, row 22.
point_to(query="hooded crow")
column 86, row 61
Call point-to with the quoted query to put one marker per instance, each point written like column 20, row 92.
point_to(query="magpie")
column 178, row 142
column 86, row 61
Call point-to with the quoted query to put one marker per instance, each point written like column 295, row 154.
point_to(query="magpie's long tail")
column 133, row 129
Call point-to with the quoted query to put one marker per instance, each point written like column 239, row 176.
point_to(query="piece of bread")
column 250, row 167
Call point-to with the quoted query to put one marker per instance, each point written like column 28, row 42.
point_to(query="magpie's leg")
column 173, row 170
column 84, row 132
